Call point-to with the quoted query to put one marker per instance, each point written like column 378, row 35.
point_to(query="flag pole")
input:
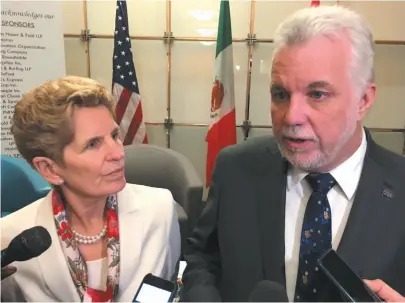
column 246, row 126
column 168, row 119
column 86, row 40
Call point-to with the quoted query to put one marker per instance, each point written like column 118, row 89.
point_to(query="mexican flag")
column 222, row 130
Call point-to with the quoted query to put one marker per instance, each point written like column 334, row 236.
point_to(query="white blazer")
column 149, row 243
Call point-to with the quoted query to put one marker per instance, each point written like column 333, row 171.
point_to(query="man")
column 276, row 204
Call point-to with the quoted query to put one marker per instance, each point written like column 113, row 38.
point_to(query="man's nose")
column 295, row 113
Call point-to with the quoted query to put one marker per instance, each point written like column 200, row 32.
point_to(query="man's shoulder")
column 392, row 162
column 250, row 146
column 250, row 155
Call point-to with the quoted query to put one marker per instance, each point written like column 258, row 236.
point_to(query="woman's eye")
column 116, row 136
column 92, row 144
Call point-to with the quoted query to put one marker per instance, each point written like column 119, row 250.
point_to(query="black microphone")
column 268, row 291
column 27, row 245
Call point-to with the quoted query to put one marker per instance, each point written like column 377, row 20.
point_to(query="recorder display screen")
column 149, row 293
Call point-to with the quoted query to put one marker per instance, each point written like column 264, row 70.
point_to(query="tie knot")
column 321, row 182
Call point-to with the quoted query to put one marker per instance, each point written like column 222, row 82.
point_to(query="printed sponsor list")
column 31, row 52
column 14, row 68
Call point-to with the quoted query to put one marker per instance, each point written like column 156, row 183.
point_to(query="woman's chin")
column 115, row 186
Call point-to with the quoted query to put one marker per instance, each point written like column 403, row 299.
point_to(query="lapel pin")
column 387, row 193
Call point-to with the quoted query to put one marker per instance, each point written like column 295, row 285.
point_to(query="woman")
column 106, row 234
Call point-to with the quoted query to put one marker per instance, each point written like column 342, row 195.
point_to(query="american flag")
column 125, row 87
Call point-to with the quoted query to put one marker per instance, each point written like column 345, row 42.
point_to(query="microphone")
column 27, row 245
column 268, row 291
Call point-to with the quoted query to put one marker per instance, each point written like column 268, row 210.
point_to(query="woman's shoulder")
column 154, row 193
column 146, row 197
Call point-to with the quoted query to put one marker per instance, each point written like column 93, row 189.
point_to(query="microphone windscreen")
column 268, row 291
column 29, row 244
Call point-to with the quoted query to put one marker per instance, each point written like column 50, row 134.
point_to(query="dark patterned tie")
column 316, row 237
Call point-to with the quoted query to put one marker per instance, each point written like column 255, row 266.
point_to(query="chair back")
column 156, row 166
column 20, row 184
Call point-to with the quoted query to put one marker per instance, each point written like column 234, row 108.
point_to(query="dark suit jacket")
column 239, row 238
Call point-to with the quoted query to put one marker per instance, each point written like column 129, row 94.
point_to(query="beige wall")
column 191, row 62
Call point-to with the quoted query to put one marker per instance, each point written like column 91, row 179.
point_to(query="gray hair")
column 332, row 21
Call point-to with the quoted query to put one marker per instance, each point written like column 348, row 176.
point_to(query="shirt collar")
column 347, row 174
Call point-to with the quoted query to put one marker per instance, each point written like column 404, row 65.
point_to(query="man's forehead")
column 317, row 84
column 278, row 64
column 316, row 48
column 305, row 69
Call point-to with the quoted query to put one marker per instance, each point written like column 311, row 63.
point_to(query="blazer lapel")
column 271, row 189
column 59, row 280
column 52, row 262
column 368, row 215
column 131, row 230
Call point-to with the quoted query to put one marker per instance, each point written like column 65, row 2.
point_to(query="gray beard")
column 321, row 158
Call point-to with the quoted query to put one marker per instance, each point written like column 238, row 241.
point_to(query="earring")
column 61, row 181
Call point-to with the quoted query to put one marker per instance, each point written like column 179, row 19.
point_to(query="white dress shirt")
column 341, row 196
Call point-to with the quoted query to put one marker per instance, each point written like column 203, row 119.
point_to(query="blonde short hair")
column 42, row 121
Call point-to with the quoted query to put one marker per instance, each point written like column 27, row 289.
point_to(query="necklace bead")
column 82, row 239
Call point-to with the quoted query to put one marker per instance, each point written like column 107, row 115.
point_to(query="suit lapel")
column 131, row 231
column 369, row 212
column 57, row 278
column 271, row 189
